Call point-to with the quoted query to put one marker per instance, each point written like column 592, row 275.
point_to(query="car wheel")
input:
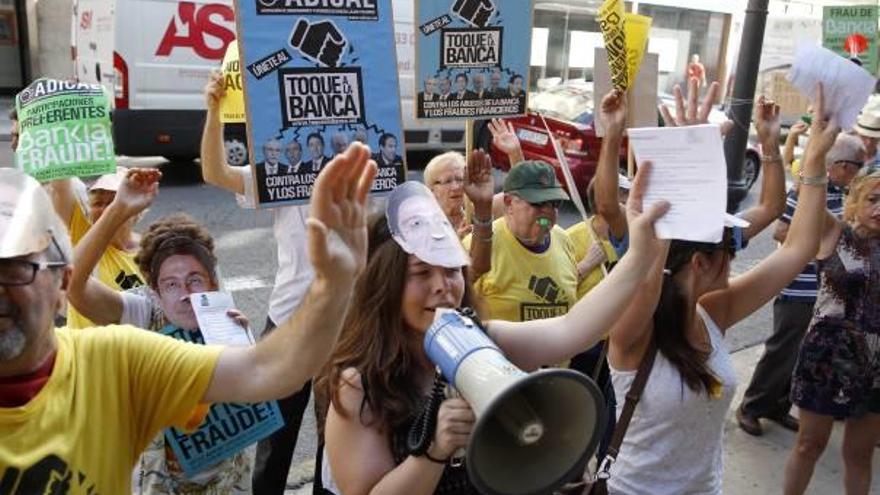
column 236, row 152
column 751, row 169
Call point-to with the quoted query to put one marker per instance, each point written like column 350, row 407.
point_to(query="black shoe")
column 749, row 424
column 786, row 421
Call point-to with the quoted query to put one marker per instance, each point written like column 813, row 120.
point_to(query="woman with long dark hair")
column 379, row 375
column 674, row 442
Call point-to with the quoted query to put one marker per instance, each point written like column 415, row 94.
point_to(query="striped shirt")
column 806, row 285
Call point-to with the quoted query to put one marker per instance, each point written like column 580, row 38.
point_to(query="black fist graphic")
column 476, row 12
column 321, row 42
column 545, row 288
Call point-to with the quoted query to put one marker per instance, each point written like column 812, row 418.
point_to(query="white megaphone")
column 534, row 432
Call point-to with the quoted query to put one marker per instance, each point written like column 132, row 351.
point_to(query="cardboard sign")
column 852, row 33
column 232, row 104
column 472, row 58
column 227, row 429
column 317, row 76
column 642, row 98
column 64, row 130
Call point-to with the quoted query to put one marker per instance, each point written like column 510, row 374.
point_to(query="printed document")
column 689, row 171
column 217, row 327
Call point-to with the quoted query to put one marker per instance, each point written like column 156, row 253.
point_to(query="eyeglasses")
column 450, row 181
column 193, row 283
column 23, row 272
column 850, row 162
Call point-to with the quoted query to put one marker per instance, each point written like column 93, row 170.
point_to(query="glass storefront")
column 11, row 77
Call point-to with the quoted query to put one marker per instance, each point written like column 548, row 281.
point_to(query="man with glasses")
column 78, row 407
column 533, row 272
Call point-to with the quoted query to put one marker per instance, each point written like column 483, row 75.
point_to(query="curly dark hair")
column 174, row 234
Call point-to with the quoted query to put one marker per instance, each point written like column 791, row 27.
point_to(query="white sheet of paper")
column 216, row 326
column 847, row 86
column 689, row 171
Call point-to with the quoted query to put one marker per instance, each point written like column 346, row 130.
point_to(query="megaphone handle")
column 457, row 458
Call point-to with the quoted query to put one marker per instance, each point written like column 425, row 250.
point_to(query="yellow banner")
column 636, row 29
column 611, row 22
column 232, row 105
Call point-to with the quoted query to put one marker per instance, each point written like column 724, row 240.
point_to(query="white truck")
column 155, row 56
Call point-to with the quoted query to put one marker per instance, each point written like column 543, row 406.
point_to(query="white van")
column 155, row 56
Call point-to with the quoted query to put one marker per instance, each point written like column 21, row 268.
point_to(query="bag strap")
column 632, row 399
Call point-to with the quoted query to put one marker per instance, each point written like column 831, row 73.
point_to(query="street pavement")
column 246, row 250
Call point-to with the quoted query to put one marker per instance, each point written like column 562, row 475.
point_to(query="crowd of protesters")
column 360, row 281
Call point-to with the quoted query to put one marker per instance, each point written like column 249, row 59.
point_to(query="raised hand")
column 767, row 122
column 504, row 136
column 338, row 221
column 478, row 182
column 691, row 113
column 823, row 132
column 137, row 190
column 643, row 240
column 612, row 112
column 214, row 91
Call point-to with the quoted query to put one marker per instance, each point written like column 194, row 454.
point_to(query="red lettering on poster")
column 199, row 24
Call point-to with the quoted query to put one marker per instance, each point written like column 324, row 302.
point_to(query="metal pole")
column 747, row 66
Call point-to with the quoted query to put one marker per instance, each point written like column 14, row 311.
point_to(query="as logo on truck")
column 198, row 22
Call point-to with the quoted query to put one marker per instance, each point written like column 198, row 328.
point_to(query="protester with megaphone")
column 379, row 374
column 674, row 443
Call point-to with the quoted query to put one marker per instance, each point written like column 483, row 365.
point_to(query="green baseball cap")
column 535, row 182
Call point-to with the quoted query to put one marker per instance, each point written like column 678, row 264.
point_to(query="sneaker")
column 749, row 424
column 786, row 421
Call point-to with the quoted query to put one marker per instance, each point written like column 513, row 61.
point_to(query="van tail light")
column 571, row 144
column 120, row 81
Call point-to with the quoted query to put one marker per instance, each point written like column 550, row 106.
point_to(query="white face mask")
column 421, row 228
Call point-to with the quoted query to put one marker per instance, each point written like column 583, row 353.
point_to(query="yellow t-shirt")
column 523, row 285
column 116, row 268
column 110, row 392
column 582, row 243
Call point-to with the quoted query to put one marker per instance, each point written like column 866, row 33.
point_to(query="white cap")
column 623, row 182
column 110, row 182
column 28, row 223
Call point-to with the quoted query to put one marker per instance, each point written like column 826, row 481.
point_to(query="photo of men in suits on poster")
column 472, row 61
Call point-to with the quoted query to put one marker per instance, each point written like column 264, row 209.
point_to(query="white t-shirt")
column 295, row 272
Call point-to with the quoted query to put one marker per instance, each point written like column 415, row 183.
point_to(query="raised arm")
column 280, row 364
column 89, row 296
column 791, row 141
column 479, row 188
column 772, row 202
column 63, row 198
column 533, row 343
column 505, row 139
column 215, row 170
column 612, row 113
column 754, row 288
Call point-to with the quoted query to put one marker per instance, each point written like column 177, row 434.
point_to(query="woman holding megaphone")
column 379, row 375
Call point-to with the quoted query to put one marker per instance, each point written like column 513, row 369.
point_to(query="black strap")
column 632, row 399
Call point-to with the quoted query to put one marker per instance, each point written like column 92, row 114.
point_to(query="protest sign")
column 472, row 58
column 611, row 23
column 318, row 74
column 642, row 97
column 227, row 429
column 232, row 104
column 852, row 33
column 64, row 130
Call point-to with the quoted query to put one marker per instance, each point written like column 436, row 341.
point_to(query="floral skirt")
column 838, row 370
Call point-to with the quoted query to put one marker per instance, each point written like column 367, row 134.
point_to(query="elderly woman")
column 444, row 176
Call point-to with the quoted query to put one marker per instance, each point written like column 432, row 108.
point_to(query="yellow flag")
column 636, row 27
column 232, row 105
column 611, row 22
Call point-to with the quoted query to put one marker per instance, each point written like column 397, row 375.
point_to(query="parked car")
column 567, row 109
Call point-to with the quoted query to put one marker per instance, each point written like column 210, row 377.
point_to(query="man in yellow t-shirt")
column 116, row 268
column 533, row 271
column 77, row 408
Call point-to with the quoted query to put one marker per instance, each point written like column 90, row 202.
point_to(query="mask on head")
column 421, row 228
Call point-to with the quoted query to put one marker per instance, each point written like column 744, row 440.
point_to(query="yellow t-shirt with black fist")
column 116, row 268
column 523, row 285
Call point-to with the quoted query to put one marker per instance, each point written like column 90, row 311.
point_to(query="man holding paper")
column 96, row 392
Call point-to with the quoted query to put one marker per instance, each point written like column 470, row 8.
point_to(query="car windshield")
column 571, row 101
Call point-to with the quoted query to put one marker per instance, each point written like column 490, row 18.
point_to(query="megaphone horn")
column 534, row 432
